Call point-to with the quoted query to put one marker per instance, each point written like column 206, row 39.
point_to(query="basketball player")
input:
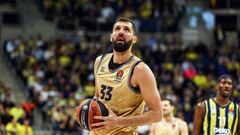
column 125, row 83
column 169, row 125
column 218, row 115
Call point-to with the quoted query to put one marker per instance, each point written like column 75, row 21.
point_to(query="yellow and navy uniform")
column 220, row 120
column 117, row 93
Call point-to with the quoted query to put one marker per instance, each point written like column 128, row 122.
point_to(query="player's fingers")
column 99, row 124
column 98, row 128
column 99, row 117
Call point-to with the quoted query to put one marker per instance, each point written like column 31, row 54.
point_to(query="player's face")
column 167, row 108
column 224, row 87
column 122, row 36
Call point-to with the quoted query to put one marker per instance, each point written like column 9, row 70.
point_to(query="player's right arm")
column 238, row 125
column 96, row 64
column 198, row 118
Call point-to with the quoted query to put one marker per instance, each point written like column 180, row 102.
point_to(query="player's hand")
column 108, row 122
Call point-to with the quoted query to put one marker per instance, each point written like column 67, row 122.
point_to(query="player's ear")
column 216, row 87
column 135, row 39
column 111, row 37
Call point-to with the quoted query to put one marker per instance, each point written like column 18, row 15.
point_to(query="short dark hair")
column 224, row 76
column 168, row 99
column 122, row 19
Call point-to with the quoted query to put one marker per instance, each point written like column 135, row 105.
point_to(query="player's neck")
column 168, row 118
column 120, row 58
column 222, row 101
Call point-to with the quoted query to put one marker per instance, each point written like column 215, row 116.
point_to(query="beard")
column 165, row 114
column 121, row 47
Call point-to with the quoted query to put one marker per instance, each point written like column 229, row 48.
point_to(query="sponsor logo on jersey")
column 221, row 131
column 119, row 76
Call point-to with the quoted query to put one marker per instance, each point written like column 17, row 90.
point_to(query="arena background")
column 48, row 48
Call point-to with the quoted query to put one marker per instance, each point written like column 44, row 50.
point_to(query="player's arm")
column 198, row 118
column 183, row 128
column 144, row 78
column 96, row 64
column 238, row 126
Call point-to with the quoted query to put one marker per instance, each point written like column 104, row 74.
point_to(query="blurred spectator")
column 28, row 107
column 2, row 129
column 189, row 71
column 219, row 35
column 17, row 112
column 26, row 128
column 13, row 127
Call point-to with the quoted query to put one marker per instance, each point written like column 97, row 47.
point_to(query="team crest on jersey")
column 231, row 111
column 119, row 76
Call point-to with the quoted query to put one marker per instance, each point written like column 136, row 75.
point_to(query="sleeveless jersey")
column 116, row 92
column 220, row 120
column 167, row 128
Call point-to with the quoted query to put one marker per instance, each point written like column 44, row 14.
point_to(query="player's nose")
column 120, row 32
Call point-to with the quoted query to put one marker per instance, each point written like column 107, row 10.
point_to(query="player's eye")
column 127, row 29
column 117, row 28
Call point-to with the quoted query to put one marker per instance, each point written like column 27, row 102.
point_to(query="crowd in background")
column 149, row 15
column 59, row 72
column 15, row 117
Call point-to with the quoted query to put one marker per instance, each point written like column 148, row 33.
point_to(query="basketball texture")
column 85, row 112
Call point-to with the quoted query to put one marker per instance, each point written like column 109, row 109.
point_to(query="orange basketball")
column 86, row 111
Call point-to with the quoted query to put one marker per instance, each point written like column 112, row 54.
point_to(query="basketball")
column 85, row 112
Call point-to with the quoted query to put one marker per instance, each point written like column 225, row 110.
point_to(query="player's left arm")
column 144, row 78
column 183, row 128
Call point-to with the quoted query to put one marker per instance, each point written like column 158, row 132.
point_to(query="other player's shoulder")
column 180, row 121
column 200, row 105
column 200, row 108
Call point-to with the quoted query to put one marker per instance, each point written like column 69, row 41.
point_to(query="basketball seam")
column 89, row 112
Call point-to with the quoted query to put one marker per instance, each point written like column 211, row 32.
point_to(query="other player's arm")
column 238, row 126
column 96, row 64
column 198, row 118
column 183, row 128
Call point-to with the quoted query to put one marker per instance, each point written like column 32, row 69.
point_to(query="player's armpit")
column 198, row 118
